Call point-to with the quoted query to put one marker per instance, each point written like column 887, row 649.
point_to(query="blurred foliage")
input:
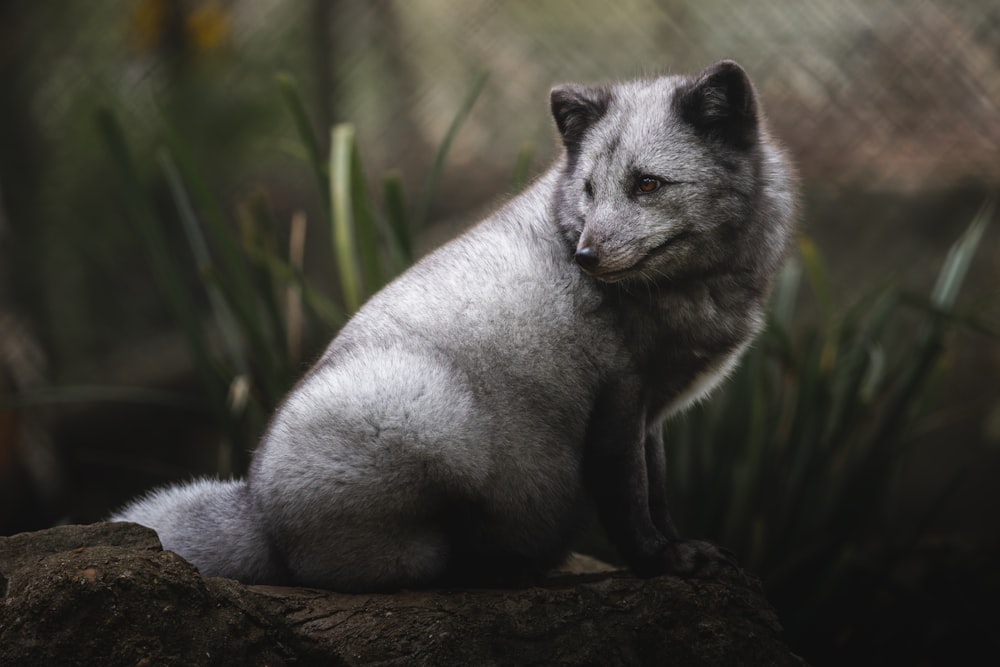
column 259, row 300
column 156, row 24
column 149, row 60
column 795, row 463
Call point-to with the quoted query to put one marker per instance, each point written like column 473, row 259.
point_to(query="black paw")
column 694, row 558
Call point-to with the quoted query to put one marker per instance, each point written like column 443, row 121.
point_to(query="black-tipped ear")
column 721, row 103
column 576, row 108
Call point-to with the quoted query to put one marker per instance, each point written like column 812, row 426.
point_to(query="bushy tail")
column 214, row 525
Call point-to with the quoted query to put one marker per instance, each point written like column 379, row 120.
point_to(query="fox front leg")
column 656, row 481
column 684, row 557
column 626, row 471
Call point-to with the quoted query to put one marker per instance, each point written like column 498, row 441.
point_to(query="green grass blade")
column 366, row 227
column 234, row 277
column 395, row 206
column 228, row 329
column 237, row 282
column 328, row 312
column 969, row 318
column 956, row 264
column 437, row 166
column 290, row 91
column 283, row 274
column 342, row 220
column 258, row 235
column 854, row 366
column 871, row 383
column 930, row 339
column 165, row 269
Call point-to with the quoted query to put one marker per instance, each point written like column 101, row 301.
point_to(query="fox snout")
column 599, row 262
column 587, row 257
column 591, row 254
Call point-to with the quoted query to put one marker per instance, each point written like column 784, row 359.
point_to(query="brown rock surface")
column 107, row 594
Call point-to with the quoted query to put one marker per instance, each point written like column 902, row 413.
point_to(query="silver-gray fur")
column 471, row 416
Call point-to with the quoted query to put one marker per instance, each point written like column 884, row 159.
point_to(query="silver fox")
column 471, row 417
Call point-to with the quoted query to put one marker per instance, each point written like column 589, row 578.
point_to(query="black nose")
column 586, row 257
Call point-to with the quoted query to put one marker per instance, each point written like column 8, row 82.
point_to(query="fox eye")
column 645, row 185
column 588, row 187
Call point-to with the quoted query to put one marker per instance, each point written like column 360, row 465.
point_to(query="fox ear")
column 721, row 103
column 576, row 108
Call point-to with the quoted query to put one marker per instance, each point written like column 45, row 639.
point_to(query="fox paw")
column 695, row 558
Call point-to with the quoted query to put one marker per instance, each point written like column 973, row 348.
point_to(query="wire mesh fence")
column 892, row 93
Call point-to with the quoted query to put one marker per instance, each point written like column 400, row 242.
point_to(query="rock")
column 107, row 594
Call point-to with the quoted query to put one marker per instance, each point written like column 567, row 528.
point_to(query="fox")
column 475, row 415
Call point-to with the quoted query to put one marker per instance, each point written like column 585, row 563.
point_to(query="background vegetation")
column 195, row 195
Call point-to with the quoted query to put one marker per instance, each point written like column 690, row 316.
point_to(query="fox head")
column 671, row 178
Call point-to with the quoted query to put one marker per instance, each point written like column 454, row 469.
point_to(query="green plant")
column 792, row 464
column 248, row 352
